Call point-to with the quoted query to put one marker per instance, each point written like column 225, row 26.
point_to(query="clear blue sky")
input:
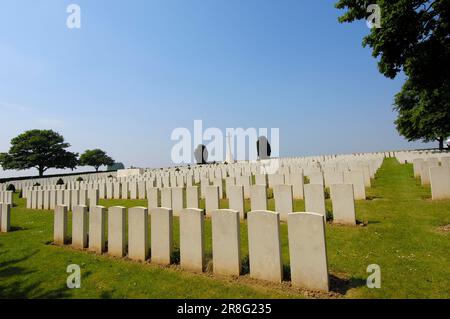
column 138, row 69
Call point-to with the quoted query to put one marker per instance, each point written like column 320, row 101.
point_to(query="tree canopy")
column 40, row 149
column 95, row 158
column 414, row 38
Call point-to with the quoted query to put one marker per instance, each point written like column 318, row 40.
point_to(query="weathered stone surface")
column 138, row 233
column 265, row 246
column 161, row 235
column 192, row 197
column 284, row 202
column 315, row 199
column 80, row 227
column 5, row 217
column 258, row 197
column 211, row 199
column 307, row 251
column 236, row 199
column 440, row 182
column 192, row 239
column 342, row 197
column 153, row 194
column 97, row 229
column 177, row 200
column 60, row 234
column 226, row 242
column 116, row 231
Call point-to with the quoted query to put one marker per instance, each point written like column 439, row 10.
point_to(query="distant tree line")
column 45, row 149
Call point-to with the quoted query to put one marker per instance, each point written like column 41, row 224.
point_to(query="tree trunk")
column 41, row 171
column 441, row 143
column 96, row 168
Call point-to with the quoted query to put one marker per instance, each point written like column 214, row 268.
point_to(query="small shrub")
column 37, row 184
column 80, row 179
column 60, row 182
column 10, row 188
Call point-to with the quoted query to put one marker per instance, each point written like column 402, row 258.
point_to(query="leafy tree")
column 423, row 115
column 95, row 158
column 414, row 38
column 41, row 149
column 263, row 148
column 201, row 154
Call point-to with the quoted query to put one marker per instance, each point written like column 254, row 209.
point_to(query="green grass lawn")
column 403, row 234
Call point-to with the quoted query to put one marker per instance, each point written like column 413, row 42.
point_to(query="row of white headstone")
column 306, row 236
column 179, row 198
column 319, row 169
column 49, row 199
column 436, row 173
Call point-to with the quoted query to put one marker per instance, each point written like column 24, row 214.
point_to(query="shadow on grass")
column 343, row 285
column 19, row 288
column 16, row 228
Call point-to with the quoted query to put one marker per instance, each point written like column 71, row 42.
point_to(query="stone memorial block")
column 284, row 202
column 211, row 199
column 177, row 200
column 166, row 197
column 75, row 198
column 40, row 199
column 342, row 197
column 34, row 199
column 226, row 240
column 192, row 239
column 258, row 197
column 83, row 197
column 425, row 173
column 219, row 183
column 60, row 234
column 264, row 246
column 133, row 189
column 275, row 179
column 236, row 199
column 357, row 179
column 142, row 189
column 80, row 227
column 308, row 252
column 53, row 198
column 261, row 179
column 161, row 235
column 102, row 190
column 97, row 229
column 93, row 197
column 315, row 199
column 116, row 231
column 5, row 217
column 440, row 182
column 109, row 190
column 117, row 186
column 316, row 178
column 153, row 195
column 138, row 240
column 47, row 200
column 192, row 197
column 244, row 181
column 333, row 178
column 229, row 181
column 68, row 199
column 125, row 190
column 297, row 182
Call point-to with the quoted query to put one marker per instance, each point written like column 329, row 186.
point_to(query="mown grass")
column 402, row 235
